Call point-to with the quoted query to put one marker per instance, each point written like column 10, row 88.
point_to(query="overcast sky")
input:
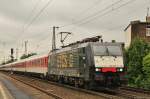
column 31, row 20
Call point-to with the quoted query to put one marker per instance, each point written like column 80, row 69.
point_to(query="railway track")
column 121, row 93
column 125, row 94
column 139, row 90
column 130, row 93
column 29, row 81
column 39, row 88
column 133, row 93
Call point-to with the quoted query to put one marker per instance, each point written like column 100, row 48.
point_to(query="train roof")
column 86, row 44
column 27, row 59
column 35, row 57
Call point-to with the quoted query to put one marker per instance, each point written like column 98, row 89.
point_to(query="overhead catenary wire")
column 96, row 13
column 28, row 17
column 88, row 8
column 83, row 11
column 92, row 6
column 34, row 18
column 83, row 23
column 31, row 13
column 104, row 14
column 108, row 12
column 38, row 14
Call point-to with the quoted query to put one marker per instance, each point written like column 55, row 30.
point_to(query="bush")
column 146, row 69
column 27, row 56
column 134, row 55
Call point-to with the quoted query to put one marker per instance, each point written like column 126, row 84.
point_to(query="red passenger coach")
column 36, row 65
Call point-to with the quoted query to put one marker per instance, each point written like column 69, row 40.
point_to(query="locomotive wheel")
column 41, row 76
column 60, row 80
column 86, row 85
column 76, row 83
column 89, row 85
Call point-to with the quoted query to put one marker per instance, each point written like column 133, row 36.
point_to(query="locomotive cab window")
column 107, row 50
column 114, row 50
column 100, row 50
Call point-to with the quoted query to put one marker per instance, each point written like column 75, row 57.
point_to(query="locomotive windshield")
column 114, row 50
column 100, row 50
column 107, row 50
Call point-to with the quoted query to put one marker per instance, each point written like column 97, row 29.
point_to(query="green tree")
column 28, row 55
column 135, row 54
column 146, row 69
column 3, row 63
column 113, row 41
column 8, row 61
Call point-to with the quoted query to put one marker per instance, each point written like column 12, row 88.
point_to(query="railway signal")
column 12, row 52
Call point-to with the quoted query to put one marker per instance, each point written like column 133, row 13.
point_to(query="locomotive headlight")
column 121, row 69
column 96, row 69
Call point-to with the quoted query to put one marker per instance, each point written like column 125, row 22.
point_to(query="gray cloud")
column 14, row 15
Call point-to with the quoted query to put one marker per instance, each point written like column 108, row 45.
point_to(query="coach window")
column 40, row 62
column 32, row 63
column 45, row 61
